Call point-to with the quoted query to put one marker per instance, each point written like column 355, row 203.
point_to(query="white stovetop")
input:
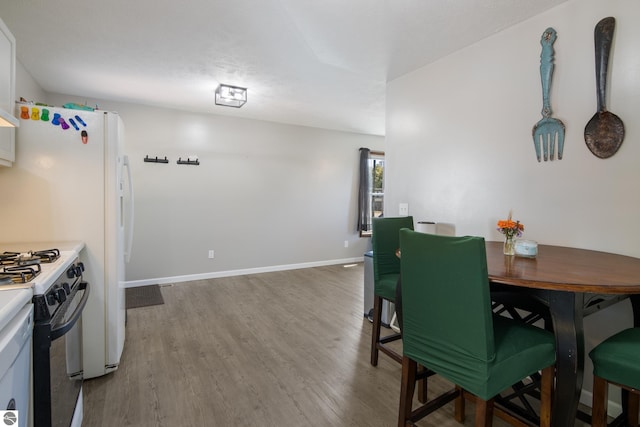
column 50, row 271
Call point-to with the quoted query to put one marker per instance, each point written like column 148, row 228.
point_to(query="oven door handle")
column 62, row 329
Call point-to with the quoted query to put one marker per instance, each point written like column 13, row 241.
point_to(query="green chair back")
column 451, row 274
column 385, row 241
column 448, row 325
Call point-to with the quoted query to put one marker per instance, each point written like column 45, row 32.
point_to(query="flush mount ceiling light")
column 231, row 96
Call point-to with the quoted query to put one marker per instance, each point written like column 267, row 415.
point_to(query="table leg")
column 567, row 317
column 635, row 305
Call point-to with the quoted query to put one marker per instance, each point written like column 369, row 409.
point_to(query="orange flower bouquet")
column 510, row 229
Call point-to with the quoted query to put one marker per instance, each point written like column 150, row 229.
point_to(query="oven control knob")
column 60, row 295
column 75, row 271
column 66, row 287
column 51, row 298
column 81, row 266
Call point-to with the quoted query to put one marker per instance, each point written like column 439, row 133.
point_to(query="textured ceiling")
column 308, row 62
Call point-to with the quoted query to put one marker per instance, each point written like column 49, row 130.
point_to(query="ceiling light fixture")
column 231, row 96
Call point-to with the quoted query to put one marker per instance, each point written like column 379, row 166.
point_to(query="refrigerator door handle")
column 130, row 216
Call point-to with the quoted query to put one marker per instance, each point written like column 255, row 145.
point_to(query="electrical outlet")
column 346, row 243
column 211, row 253
column 404, row 209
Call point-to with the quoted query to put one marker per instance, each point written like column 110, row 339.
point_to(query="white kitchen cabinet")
column 7, row 94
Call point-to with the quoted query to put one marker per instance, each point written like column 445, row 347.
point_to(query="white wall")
column 266, row 195
column 459, row 145
column 26, row 87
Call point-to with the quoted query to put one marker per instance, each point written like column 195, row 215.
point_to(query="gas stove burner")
column 27, row 260
column 21, row 273
column 17, row 258
column 5, row 279
column 8, row 258
column 47, row 255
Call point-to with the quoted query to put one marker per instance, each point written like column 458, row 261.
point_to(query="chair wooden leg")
column 599, row 404
column 422, row 386
column 459, row 411
column 484, row 413
column 407, row 387
column 632, row 408
column 375, row 333
column 546, row 389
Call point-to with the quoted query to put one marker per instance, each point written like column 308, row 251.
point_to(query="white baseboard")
column 229, row 273
column 613, row 408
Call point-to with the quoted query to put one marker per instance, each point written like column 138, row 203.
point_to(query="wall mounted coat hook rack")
column 195, row 162
column 156, row 159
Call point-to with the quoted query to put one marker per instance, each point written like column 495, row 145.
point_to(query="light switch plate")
column 404, row 209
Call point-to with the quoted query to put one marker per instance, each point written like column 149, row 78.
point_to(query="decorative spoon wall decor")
column 605, row 131
column 548, row 129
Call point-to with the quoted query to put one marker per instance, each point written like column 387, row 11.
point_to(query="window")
column 372, row 188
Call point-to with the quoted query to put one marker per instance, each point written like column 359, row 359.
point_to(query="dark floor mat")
column 144, row 296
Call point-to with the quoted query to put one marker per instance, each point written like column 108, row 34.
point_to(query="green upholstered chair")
column 385, row 242
column 449, row 327
column 616, row 361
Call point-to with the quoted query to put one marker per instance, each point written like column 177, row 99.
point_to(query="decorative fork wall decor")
column 548, row 129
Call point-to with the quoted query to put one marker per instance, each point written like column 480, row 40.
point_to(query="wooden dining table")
column 572, row 283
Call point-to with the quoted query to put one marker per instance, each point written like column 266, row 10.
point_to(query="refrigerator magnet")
column 85, row 136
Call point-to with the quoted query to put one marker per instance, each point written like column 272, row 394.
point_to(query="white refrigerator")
column 71, row 181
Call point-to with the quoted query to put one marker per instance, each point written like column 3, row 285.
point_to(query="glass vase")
column 509, row 247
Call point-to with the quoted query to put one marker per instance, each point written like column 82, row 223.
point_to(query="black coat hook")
column 156, row 159
column 195, row 162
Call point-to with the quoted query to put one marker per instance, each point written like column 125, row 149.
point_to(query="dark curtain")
column 363, row 192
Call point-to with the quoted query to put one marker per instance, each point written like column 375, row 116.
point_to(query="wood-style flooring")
column 278, row 349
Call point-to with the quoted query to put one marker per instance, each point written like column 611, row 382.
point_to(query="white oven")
column 57, row 349
column 59, row 295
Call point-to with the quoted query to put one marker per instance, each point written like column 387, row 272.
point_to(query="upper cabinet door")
column 7, row 93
